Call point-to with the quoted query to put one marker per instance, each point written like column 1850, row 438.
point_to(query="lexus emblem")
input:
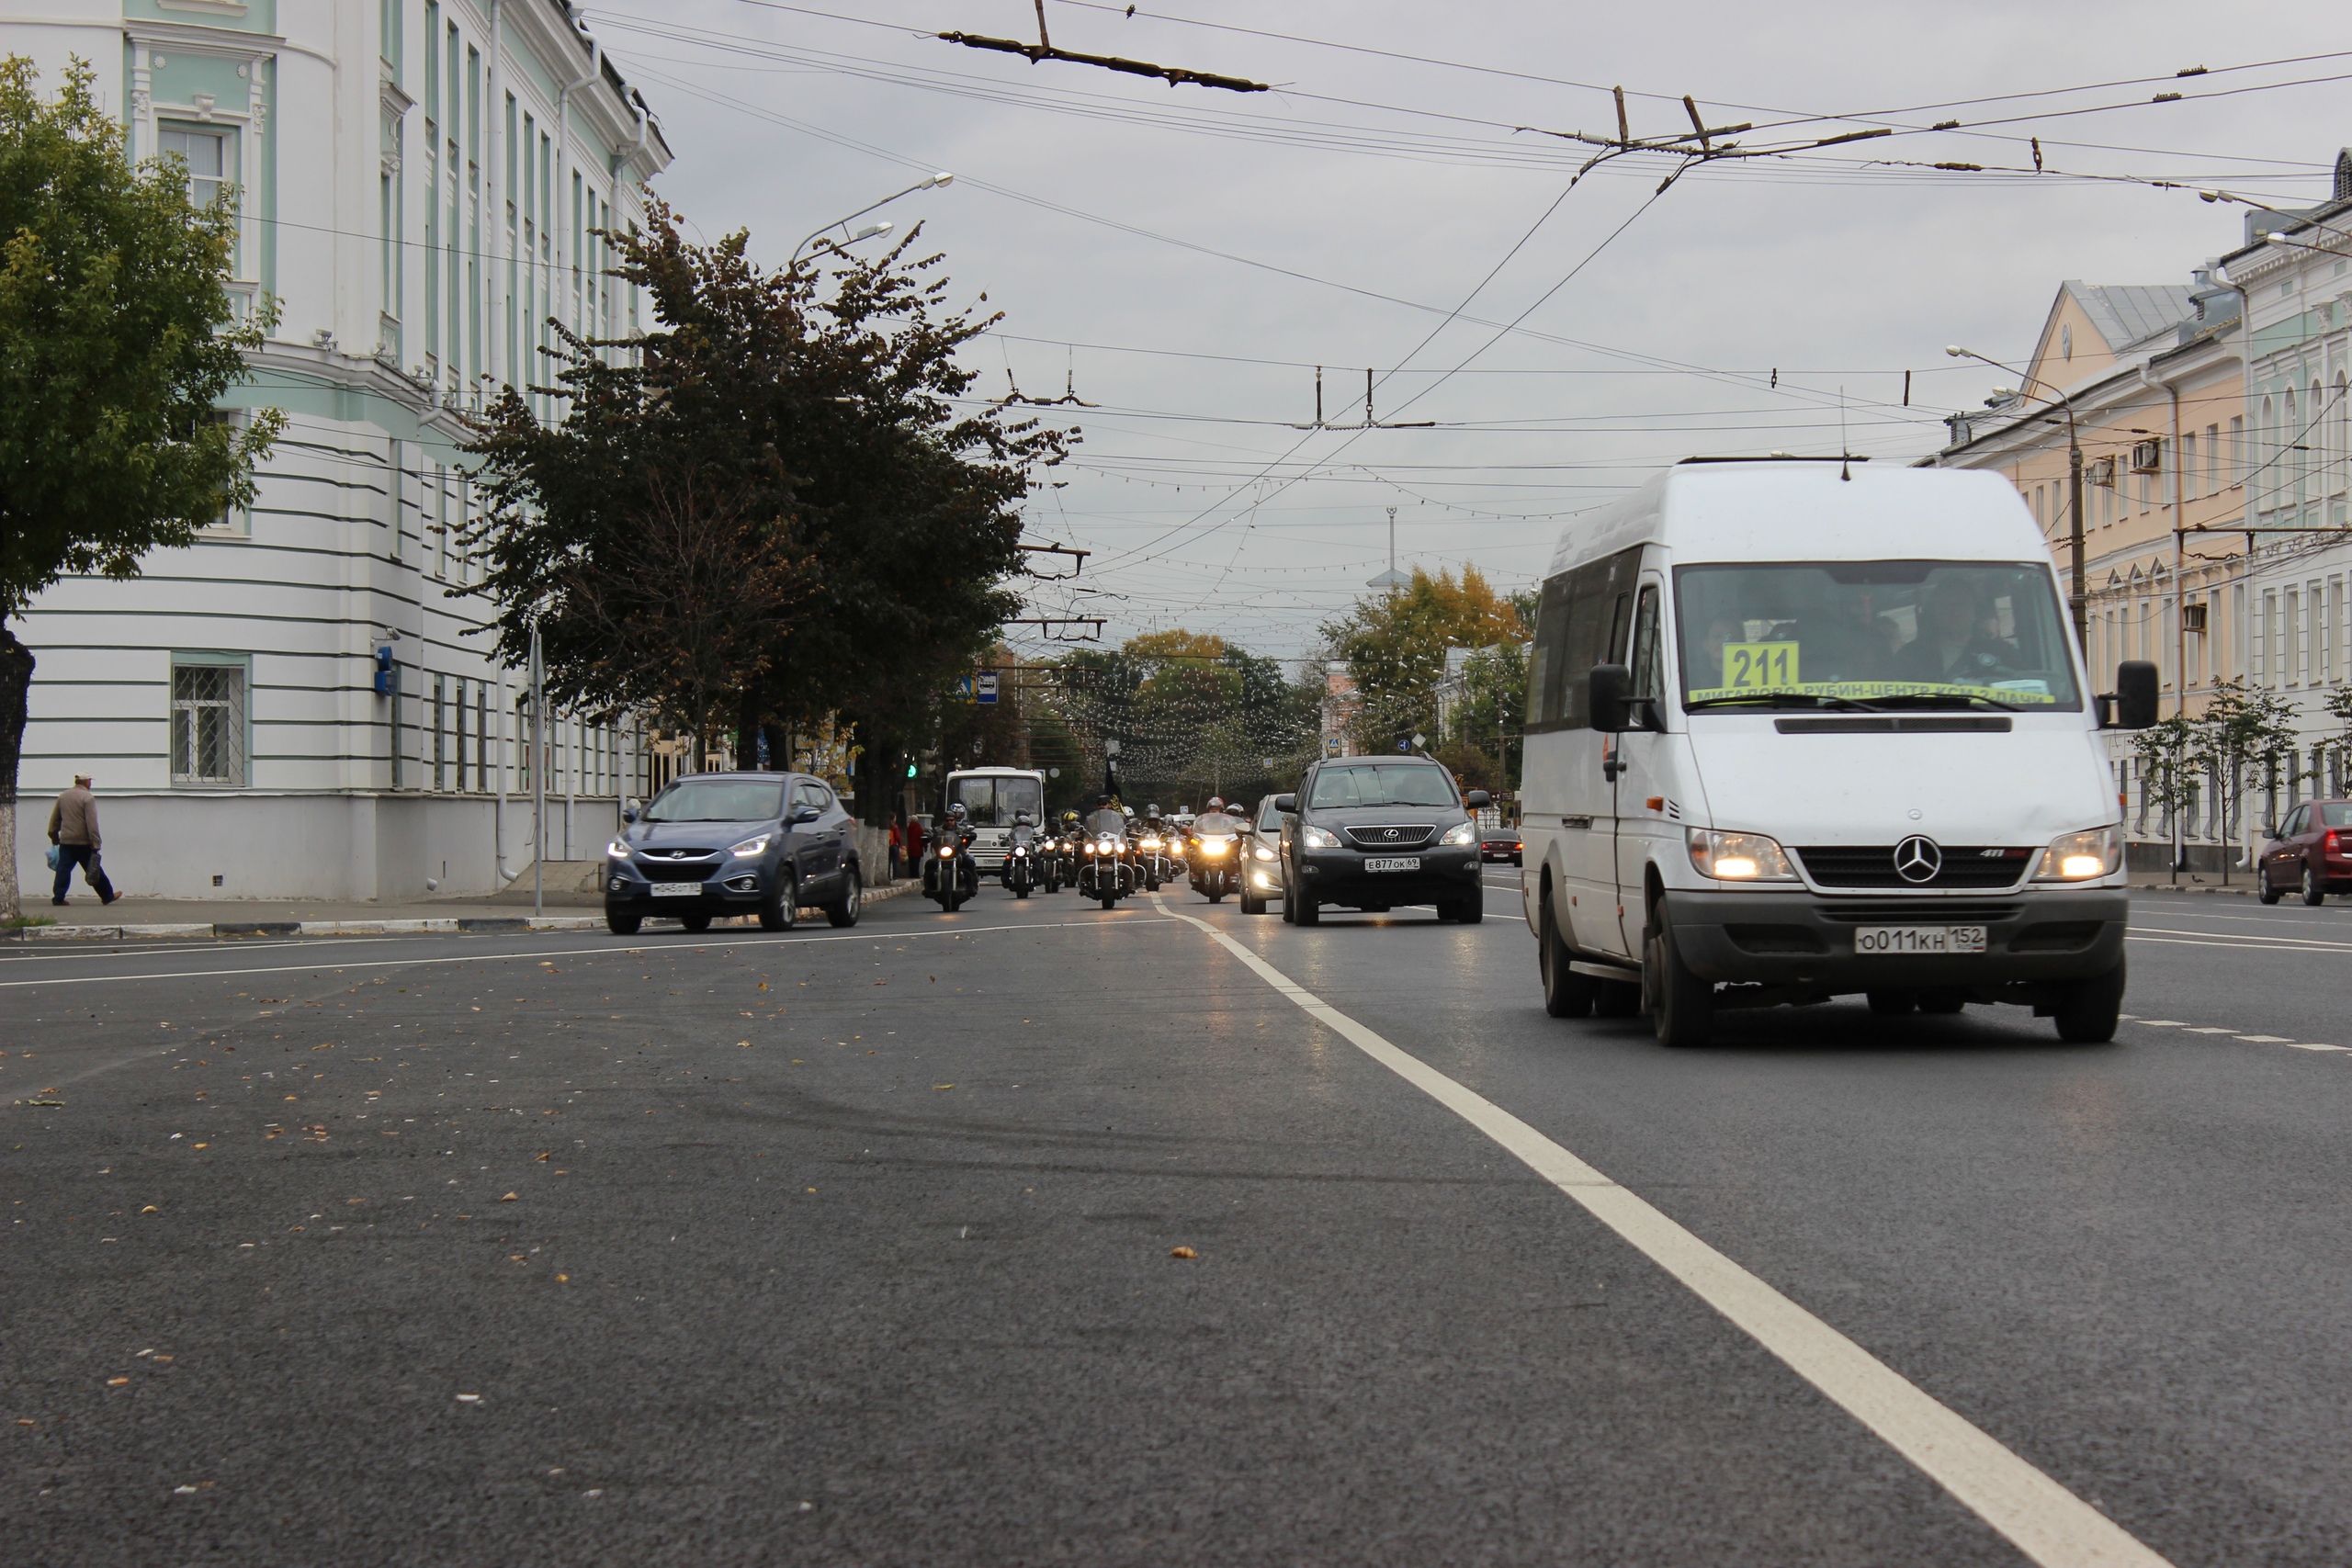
column 1393, row 834
column 1916, row 859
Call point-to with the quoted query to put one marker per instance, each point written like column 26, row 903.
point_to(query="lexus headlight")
column 751, row 847
column 1465, row 833
column 1315, row 838
column 1738, row 857
column 2083, row 857
column 617, row 849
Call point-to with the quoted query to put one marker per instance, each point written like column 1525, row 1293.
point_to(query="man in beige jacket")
column 73, row 828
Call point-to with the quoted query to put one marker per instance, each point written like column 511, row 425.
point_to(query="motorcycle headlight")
column 1151, row 843
column 946, row 850
column 1738, row 857
column 1465, row 833
column 1106, row 847
column 1214, row 846
column 617, row 849
column 1315, row 838
column 751, row 847
column 2083, row 857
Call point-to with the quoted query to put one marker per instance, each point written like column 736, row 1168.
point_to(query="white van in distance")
column 1798, row 729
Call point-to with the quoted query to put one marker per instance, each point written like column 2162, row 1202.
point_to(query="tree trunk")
column 747, row 729
column 16, row 688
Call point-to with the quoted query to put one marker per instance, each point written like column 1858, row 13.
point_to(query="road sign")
column 1330, row 746
column 984, row 686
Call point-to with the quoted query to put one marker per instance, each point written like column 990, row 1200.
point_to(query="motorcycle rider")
column 1214, row 874
column 1022, row 871
column 948, row 875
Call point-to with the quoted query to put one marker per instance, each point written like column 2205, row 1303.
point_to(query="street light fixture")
column 931, row 183
column 2077, row 601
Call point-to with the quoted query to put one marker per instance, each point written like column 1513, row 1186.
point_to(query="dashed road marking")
column 2049, row 1524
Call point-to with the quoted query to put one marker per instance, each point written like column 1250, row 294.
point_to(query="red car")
column 1499, row 843
column 2310, row 852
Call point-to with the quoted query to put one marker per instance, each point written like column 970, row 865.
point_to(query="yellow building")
column 2150, row 382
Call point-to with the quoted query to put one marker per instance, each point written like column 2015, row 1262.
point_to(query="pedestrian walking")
column 898, row 844
column 74, row 829
column 915, row 837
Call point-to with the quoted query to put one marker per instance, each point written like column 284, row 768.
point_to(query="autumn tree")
column 1394, row 646
column 118, row 339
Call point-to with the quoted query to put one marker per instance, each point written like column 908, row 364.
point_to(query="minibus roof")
column 1765, row 510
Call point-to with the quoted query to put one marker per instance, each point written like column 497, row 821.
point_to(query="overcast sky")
column 1183, row 257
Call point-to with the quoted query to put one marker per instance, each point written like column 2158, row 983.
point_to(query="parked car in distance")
column 715, row 844
column 1261, row 857
column 2309, row 853
column 1500, row 844
column 1372, row 833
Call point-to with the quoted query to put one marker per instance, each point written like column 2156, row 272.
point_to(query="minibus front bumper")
column 1801, row 939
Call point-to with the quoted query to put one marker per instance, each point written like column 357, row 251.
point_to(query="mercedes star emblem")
column 1916, row 859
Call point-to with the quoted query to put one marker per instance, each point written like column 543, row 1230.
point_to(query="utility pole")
column 2078, row 600
column 538, row 778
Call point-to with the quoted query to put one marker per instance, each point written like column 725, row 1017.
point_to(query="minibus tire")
column 1617, row 998
column 1683, row 1006
column 2092, row 1009
column 1566, row 994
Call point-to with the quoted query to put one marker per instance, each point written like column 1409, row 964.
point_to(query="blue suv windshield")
column 718, row 800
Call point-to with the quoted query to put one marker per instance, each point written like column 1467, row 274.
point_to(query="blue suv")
column 715, row 844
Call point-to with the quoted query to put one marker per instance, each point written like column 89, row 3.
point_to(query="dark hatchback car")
column 1500, row 844
column 1372, row 833
column 2310, row 852
column 715, row 844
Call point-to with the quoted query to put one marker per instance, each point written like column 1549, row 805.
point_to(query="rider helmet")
column 1216, row 803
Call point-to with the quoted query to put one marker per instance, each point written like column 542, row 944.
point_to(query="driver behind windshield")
column 1955, row 645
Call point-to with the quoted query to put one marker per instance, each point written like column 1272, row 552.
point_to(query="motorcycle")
column 1153, row 861
column 1215, row 865
column 1106, row 869
column 950, row 876
column 1020, row 868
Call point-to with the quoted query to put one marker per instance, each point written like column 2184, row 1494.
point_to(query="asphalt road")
column 855, row 1248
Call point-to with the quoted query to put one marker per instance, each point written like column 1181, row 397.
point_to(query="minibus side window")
column 1582, row 621
column 1648, row 667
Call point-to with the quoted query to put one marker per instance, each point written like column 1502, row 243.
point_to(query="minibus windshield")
column 1895, row 634
column 992, row 801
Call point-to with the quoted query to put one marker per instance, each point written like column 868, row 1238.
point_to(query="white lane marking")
column 2266, row 1039
column 2242, row 939
column 616, row 946
column 2207, row 1029
column 2292, row 1045
column 2162, row 1022
column 2041, row 1519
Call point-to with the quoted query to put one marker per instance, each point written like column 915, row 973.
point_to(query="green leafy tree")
column 118, row 340
column 876, row 515
column 2242, row 739
column 1394, row 646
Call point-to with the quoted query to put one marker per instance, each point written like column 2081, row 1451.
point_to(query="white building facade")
column 2295, row 277
column 303, row 705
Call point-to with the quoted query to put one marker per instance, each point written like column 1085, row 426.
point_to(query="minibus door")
column 1642, row 767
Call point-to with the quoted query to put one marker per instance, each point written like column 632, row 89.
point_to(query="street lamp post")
column 932, row 183
column 2077, row 599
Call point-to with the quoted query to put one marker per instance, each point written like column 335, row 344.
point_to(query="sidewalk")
column 2241, row 882
column 85, row 919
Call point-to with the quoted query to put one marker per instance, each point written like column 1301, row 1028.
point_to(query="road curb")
column 484, row 925
column 2172, row 888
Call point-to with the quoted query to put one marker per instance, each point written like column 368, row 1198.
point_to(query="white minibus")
column 992, row 798
column 1799, row 730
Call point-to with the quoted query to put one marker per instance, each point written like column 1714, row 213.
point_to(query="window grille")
column 208, row 723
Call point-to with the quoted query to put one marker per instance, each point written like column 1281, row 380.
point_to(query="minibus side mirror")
column 1477, row 800
column 2136, row 694
column 1287, row 805
column 1605, row 700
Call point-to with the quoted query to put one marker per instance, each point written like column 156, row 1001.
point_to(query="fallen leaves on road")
column 1181, row 1252
column 538, row 1159
column 116, row 1382
column 942, row 1085
column 151, row 1209
column 508, row 1199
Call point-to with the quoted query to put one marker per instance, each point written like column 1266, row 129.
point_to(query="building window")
column 440, row 734
column 207, row 154
column 208, row 720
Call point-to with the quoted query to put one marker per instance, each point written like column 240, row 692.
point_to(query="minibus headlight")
column 2083, row 857
column 1315, row 838
column 1738, row 857
column 1460, row 833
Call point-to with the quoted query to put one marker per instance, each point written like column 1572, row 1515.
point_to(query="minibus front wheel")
column 2092, row 1008
column 1682, row 1004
